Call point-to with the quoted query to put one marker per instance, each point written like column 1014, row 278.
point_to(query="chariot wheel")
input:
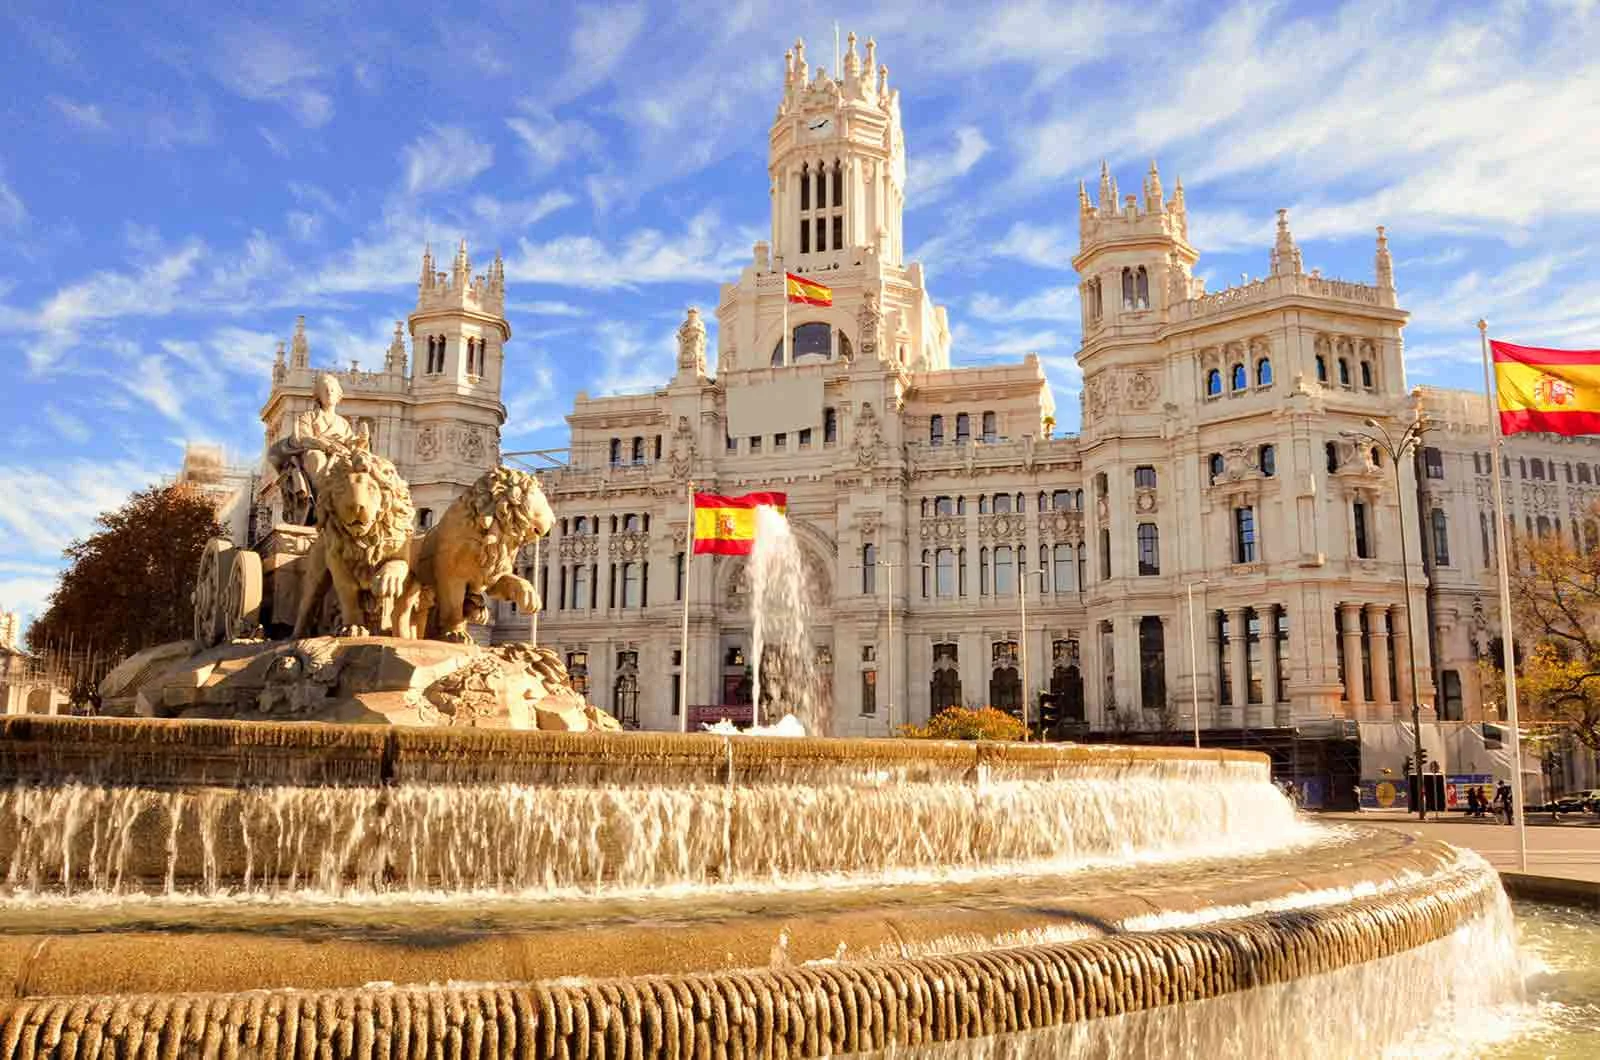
column 210, row 586
column 241, row 603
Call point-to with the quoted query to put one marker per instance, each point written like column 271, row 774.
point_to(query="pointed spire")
column 1285, row 255
column 1116, row 196
column 1177, row 197
column 277, row 359
column 1083, row 197
column 883, row 80
column 1108, row 198
column 801, row 71
column 427, row 269
column 299, row 348
column 1153, row 202
column 1385, row 265
column 872, row 55
column 395, row 361
column 463, row 265
column 852, row 61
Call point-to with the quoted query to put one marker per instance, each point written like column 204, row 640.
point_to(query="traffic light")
column 1405, row 770
column 1422, row 759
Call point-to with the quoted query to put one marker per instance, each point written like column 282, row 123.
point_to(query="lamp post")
column 1022, row 608
column 1194, row 663
column 889, row 565
column 1399, row 449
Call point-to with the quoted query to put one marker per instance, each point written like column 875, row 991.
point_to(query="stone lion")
column 364, row 518
column 470, row 553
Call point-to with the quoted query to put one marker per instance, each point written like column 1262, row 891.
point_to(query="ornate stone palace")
column 1214, row 464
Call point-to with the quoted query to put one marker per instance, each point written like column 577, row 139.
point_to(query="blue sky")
column 178, row 181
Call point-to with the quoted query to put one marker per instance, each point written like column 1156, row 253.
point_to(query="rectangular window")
column 838, row 230
column 1244, row 535
column 963, row 428
column 1441, row 537
column 822, row 234
column 755, row 443
column 731, row 445
column 1063, row 571
column 830, row 426
column 1149, row 550
column 1363, row 536
column 578, row 671
column 869, row 693
column 780, row 441
column 1256, row 683
column 945, row 572
column 805, row 236
column 677, row 591
column 1450, row 680
column 1280, row 647
column 632, row 582
column 990, row 428
column 1224, row 667
column 1433, row 462
column 1483, row 536
column 869, row 653
column 1005, row 571
column 805, row 437
column 1144, row 477
column 1105, row 554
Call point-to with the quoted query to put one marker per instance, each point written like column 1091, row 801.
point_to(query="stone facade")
column 435, row 413
column 1211, row 456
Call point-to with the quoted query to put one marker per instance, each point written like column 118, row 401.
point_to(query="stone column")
column 1378, row 641
column 1239, row 659
column 1400, row 641
column 1350, row 630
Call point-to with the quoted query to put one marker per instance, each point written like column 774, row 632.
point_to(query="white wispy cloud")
column 1048, row 246
column 303, row 225
column 632, row 360
column 517, row 214
column 1053, row 303
column 84, row 115
column 49, row 505
column 107, row 295
column 67, row 425
column 446, row 156
column 262, row 64
column 547, row 141
column 702, row 252
column 12, row 211
column 602, row 36
column 931, row 172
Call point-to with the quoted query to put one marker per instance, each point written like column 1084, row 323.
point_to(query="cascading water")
column 783, row 667
column 556, row 839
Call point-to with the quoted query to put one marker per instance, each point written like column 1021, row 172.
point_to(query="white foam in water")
column 783, row 659
column 788, row 725
column 552, row 841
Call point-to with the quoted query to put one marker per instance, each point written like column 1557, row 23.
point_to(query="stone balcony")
column 1286, row 285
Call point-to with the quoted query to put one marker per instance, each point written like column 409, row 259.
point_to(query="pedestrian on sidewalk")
column 1472, row 802
column 1355, row 790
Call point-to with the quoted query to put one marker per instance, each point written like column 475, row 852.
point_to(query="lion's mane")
column 387, row 538
column 500, row 504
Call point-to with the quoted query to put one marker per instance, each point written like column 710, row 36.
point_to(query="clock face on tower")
column 817, row 128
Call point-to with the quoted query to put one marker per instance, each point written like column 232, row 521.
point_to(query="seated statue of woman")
column 300, row 456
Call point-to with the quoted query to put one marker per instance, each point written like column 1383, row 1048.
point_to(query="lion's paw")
column 355, row 631
column 455, row 636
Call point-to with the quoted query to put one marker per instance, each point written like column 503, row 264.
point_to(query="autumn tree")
column 1555, row 600
column 965, row 723
column 129, row 583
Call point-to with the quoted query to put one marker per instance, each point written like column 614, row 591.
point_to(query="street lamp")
column 1022, row 606
column 1194, row 663
column 1399, row 449
column 889, row 565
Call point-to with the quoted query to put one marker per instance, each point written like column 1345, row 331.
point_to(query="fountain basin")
column 240, row 889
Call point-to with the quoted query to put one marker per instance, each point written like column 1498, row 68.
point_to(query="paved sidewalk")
column 1569, row 850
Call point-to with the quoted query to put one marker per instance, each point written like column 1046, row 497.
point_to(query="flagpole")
column 1508, row 652
column 788, row 353
column 683, row 643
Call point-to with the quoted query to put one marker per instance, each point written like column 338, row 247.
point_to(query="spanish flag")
column 726, row 526
column 807, row 292
column 1557, row 391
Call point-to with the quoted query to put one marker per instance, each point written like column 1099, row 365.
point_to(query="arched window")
column 945, row 688
column 1330, row 453
column 1538, row 470
column 1063, row 571
column 424, row 518
column 1141, row 289
column 991, row 430
column 1083, row 566
column 1144, row 477
column 1005, row 571
column 944, row 506
column 961, row 506
column 805, row 192
column 472, row 356
column 830, row 425
column 616, row 451
column 983, row 504
column 1366, row 374
column 944, row 582
column 1344, row 372
column 1127, row 288
column 1005, row 687
column 936, row 430
column 838, row 184
column 1213, row 383
column 927, row 570
column 1322, row 369
column 1267, row 460
column 625, row 690
column 963, row 428
column 1238, row 380
column 581, row 588
column 869, row 569
column 983, row 572
column 1002, row 504
column 822, row 188
column 1149, row 549
column 638, row 451
column 1214, row 465
column 1263, row 372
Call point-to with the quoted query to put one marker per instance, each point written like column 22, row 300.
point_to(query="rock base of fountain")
column 360, row 680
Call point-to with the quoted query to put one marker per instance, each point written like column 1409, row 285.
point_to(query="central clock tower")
column 836, row 166
column 837, row 161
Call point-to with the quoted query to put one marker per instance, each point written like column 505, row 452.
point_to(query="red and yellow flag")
column 807, row 292
column 1557, row 391
column 726, row 526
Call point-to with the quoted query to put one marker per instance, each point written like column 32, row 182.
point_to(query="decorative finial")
column 1384, row 265
column 1285, row 255
column 1153, row 200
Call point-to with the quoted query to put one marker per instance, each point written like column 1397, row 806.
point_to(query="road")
column 1569, row 849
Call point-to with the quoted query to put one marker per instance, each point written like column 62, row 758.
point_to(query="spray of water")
column 784, row 661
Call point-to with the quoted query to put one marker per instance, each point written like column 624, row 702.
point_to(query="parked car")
column 1578, row 801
